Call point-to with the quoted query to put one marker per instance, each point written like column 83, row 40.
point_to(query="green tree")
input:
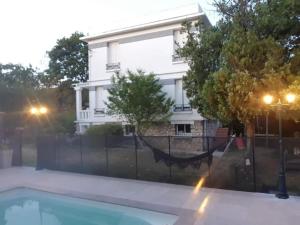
column 17, row 86
column 68, row 64
column 139, row 99
column 256, row 49
column 69, row 59
column 18, row 76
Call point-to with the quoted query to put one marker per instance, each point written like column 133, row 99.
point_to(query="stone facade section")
column 168, row 129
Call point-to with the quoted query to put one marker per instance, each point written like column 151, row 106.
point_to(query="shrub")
column 58, row 123
column 105, row 129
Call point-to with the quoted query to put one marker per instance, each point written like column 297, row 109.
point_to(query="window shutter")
column 112, row 52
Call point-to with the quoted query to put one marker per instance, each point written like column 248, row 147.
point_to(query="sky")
column 30, row 28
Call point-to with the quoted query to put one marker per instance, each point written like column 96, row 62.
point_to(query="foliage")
column 256, row 52
column 61, row 123
column 139, row 99
column 22, row 86
column 17, row 86
column 105, row 129
column 203, row 59
column 53, row 123
column 69, row 59
column 65, row 95
column 18, row 76
column 68, row 65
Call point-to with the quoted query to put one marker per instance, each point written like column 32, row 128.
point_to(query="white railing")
column 84, row 114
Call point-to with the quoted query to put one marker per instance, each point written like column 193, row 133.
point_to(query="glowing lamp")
column 268, row 99
column 290, row 98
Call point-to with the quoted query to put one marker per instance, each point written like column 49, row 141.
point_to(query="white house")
column 150, row 46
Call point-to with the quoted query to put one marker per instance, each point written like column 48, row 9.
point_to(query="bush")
column 105, row 129
column 58, row 123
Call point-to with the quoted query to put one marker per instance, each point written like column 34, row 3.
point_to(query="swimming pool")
column 25, row 206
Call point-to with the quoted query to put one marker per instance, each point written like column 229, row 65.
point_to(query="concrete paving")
column 204, row 207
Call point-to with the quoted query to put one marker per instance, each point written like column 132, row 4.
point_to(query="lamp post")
column 37, row 111
column 268, row 100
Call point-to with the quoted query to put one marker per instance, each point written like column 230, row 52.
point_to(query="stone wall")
column 168, row 129
column 162, row 129
column 157, row 134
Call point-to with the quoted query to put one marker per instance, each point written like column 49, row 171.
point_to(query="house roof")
column 175, row 16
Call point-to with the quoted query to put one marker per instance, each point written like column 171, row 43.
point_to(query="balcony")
column 84, row 114
column 113, row 66
column 182, row 108
column 177, row 58
column 99, row 111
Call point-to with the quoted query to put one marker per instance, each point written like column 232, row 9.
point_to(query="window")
column 183, row 129
column 181, row 101
column 179, row 41
column 129, row 130
column 113, row 56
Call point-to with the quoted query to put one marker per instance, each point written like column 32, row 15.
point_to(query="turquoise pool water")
column 28, row 207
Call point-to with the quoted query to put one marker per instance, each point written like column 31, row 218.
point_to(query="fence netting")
column 221, row 162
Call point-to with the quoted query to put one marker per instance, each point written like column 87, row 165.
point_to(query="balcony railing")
column 84, row 114
column 113, row 66
column 182, row 108
column 99, row 111
column 177, row 58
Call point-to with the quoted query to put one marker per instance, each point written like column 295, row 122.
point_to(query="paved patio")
column 206, row 206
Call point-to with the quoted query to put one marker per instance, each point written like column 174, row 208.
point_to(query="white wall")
column 150, row 55
column 97, row 62
column 102, row 97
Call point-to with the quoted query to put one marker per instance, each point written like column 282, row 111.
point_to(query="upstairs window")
column 181, row 101
column 179, row 41
column 113, row 62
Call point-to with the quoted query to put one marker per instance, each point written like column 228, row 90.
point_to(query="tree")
column 256, row 47
column 17, row 83
column 139, row 99
column 17, row 86
column 18, row 76
column 69, row 59
column 68, row 65
column 253, row 50
column 204, row 56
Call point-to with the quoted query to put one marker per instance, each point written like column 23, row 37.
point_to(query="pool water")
column 25, row 206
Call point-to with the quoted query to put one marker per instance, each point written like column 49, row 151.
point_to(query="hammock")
column 194, row 161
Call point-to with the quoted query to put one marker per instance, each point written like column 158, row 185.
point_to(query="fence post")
column 106, row 153
column 17, row 147
column 207, row 143
column 170, row 166
column 38, row 165
column 136, row 159
column 55, row 151
column 80, row 149
column 253, row 164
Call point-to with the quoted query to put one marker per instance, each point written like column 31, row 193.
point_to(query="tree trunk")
column 250, row 132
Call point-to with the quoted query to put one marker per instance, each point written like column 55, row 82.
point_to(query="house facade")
column 151, row 47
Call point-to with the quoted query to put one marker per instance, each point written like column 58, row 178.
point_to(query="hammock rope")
column 194, row 161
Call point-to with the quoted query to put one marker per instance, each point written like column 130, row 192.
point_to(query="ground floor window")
column 129, row 130
column 183, row 129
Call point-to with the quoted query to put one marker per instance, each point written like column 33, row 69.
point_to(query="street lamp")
column 268, row 100
column 42, row 110
column 37, row 112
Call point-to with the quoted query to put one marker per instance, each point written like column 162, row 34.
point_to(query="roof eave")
column 150, row 25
